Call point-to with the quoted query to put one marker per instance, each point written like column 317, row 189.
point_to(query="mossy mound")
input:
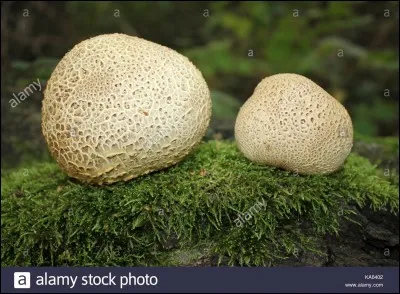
column 249, row 214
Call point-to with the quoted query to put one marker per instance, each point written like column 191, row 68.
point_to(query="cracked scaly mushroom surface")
column 117, row 107
column 292, row 123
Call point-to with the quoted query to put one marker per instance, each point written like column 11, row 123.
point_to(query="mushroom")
column 117, row 107
column 292, row 123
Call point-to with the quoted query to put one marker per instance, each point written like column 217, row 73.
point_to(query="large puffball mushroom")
column 117, row 107
column 291, row 123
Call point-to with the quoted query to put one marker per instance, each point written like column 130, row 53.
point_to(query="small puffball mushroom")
column 117, row 107
column 292, row 123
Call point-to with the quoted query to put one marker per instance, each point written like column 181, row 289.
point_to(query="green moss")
column 161, row 218
column 382, row 151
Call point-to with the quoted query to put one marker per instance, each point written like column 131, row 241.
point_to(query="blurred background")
column 348, row 48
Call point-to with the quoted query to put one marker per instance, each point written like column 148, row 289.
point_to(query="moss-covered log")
column 214, row 200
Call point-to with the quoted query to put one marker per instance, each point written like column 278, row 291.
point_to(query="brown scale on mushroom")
column 292, row 123
column 117, row 107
